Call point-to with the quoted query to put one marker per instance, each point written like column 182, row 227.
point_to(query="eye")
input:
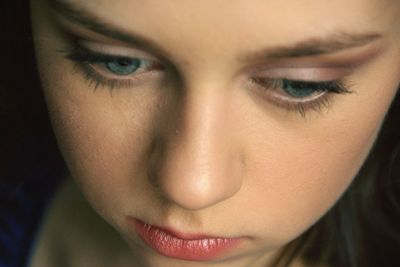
column 298, row 89
column 112, row 71
column 300, row 96
column 124, row 66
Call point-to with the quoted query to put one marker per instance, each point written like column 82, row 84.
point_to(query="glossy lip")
column 195, row 247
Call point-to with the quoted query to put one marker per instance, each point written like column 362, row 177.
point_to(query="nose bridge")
column 198, row 166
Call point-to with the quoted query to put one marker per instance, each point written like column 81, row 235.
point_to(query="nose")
column 196, row 163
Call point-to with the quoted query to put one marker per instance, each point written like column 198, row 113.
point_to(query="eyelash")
column 85, row 58
column 321, row 98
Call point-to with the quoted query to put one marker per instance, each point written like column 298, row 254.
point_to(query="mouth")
column 195, row 247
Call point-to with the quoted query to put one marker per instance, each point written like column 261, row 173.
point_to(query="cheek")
column 296, row 174
column 306, row 178
column 296, row 181
column 99, row 144
column 104, row 139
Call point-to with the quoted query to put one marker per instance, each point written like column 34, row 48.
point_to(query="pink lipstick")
column 184, row 246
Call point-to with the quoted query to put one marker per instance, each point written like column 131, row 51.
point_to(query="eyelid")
column 307, row 74
column 92, row 65
column 112, row 50
column 80, row 53
column 349, row 60
column 271, row 89
column 285, row 100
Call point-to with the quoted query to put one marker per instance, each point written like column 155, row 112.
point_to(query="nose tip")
column 194, row 178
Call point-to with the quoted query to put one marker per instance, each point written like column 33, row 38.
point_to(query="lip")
column 195, row 247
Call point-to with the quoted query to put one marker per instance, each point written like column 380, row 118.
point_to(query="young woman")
column 201, row 133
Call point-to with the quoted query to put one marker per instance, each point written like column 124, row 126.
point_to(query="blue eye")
column 300, row 95
column 300, row 89
column 123, row 66
column 97, row 67
column 117, row 65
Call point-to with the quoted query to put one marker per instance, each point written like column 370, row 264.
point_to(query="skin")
column 195, row 146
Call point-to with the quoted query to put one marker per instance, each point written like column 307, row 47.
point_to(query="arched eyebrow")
column 314, row 46
column 317, row 46
column 81, row 16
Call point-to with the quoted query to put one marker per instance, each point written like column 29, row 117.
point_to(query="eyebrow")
column 334, row 42
column 78, row 15
column 316, row 46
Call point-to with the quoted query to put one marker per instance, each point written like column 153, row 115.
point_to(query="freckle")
column 186, row 63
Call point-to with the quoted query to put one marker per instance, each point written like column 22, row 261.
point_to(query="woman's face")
column 242, row 120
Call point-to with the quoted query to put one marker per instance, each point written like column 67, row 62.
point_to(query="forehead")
column 240, row 14
column 275, row 20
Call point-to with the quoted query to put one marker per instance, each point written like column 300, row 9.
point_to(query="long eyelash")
column 318, row 105
column 96, row 80
column 83, row 59
column 328, row 88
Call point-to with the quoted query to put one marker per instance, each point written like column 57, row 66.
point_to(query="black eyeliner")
column 79, row 53
column 334, row 86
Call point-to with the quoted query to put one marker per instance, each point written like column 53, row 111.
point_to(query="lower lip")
column 174, row 245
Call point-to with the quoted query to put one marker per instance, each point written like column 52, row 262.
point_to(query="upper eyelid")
column 81, row 54
column 314, row 74
column 81, row 44
column 100, row 57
